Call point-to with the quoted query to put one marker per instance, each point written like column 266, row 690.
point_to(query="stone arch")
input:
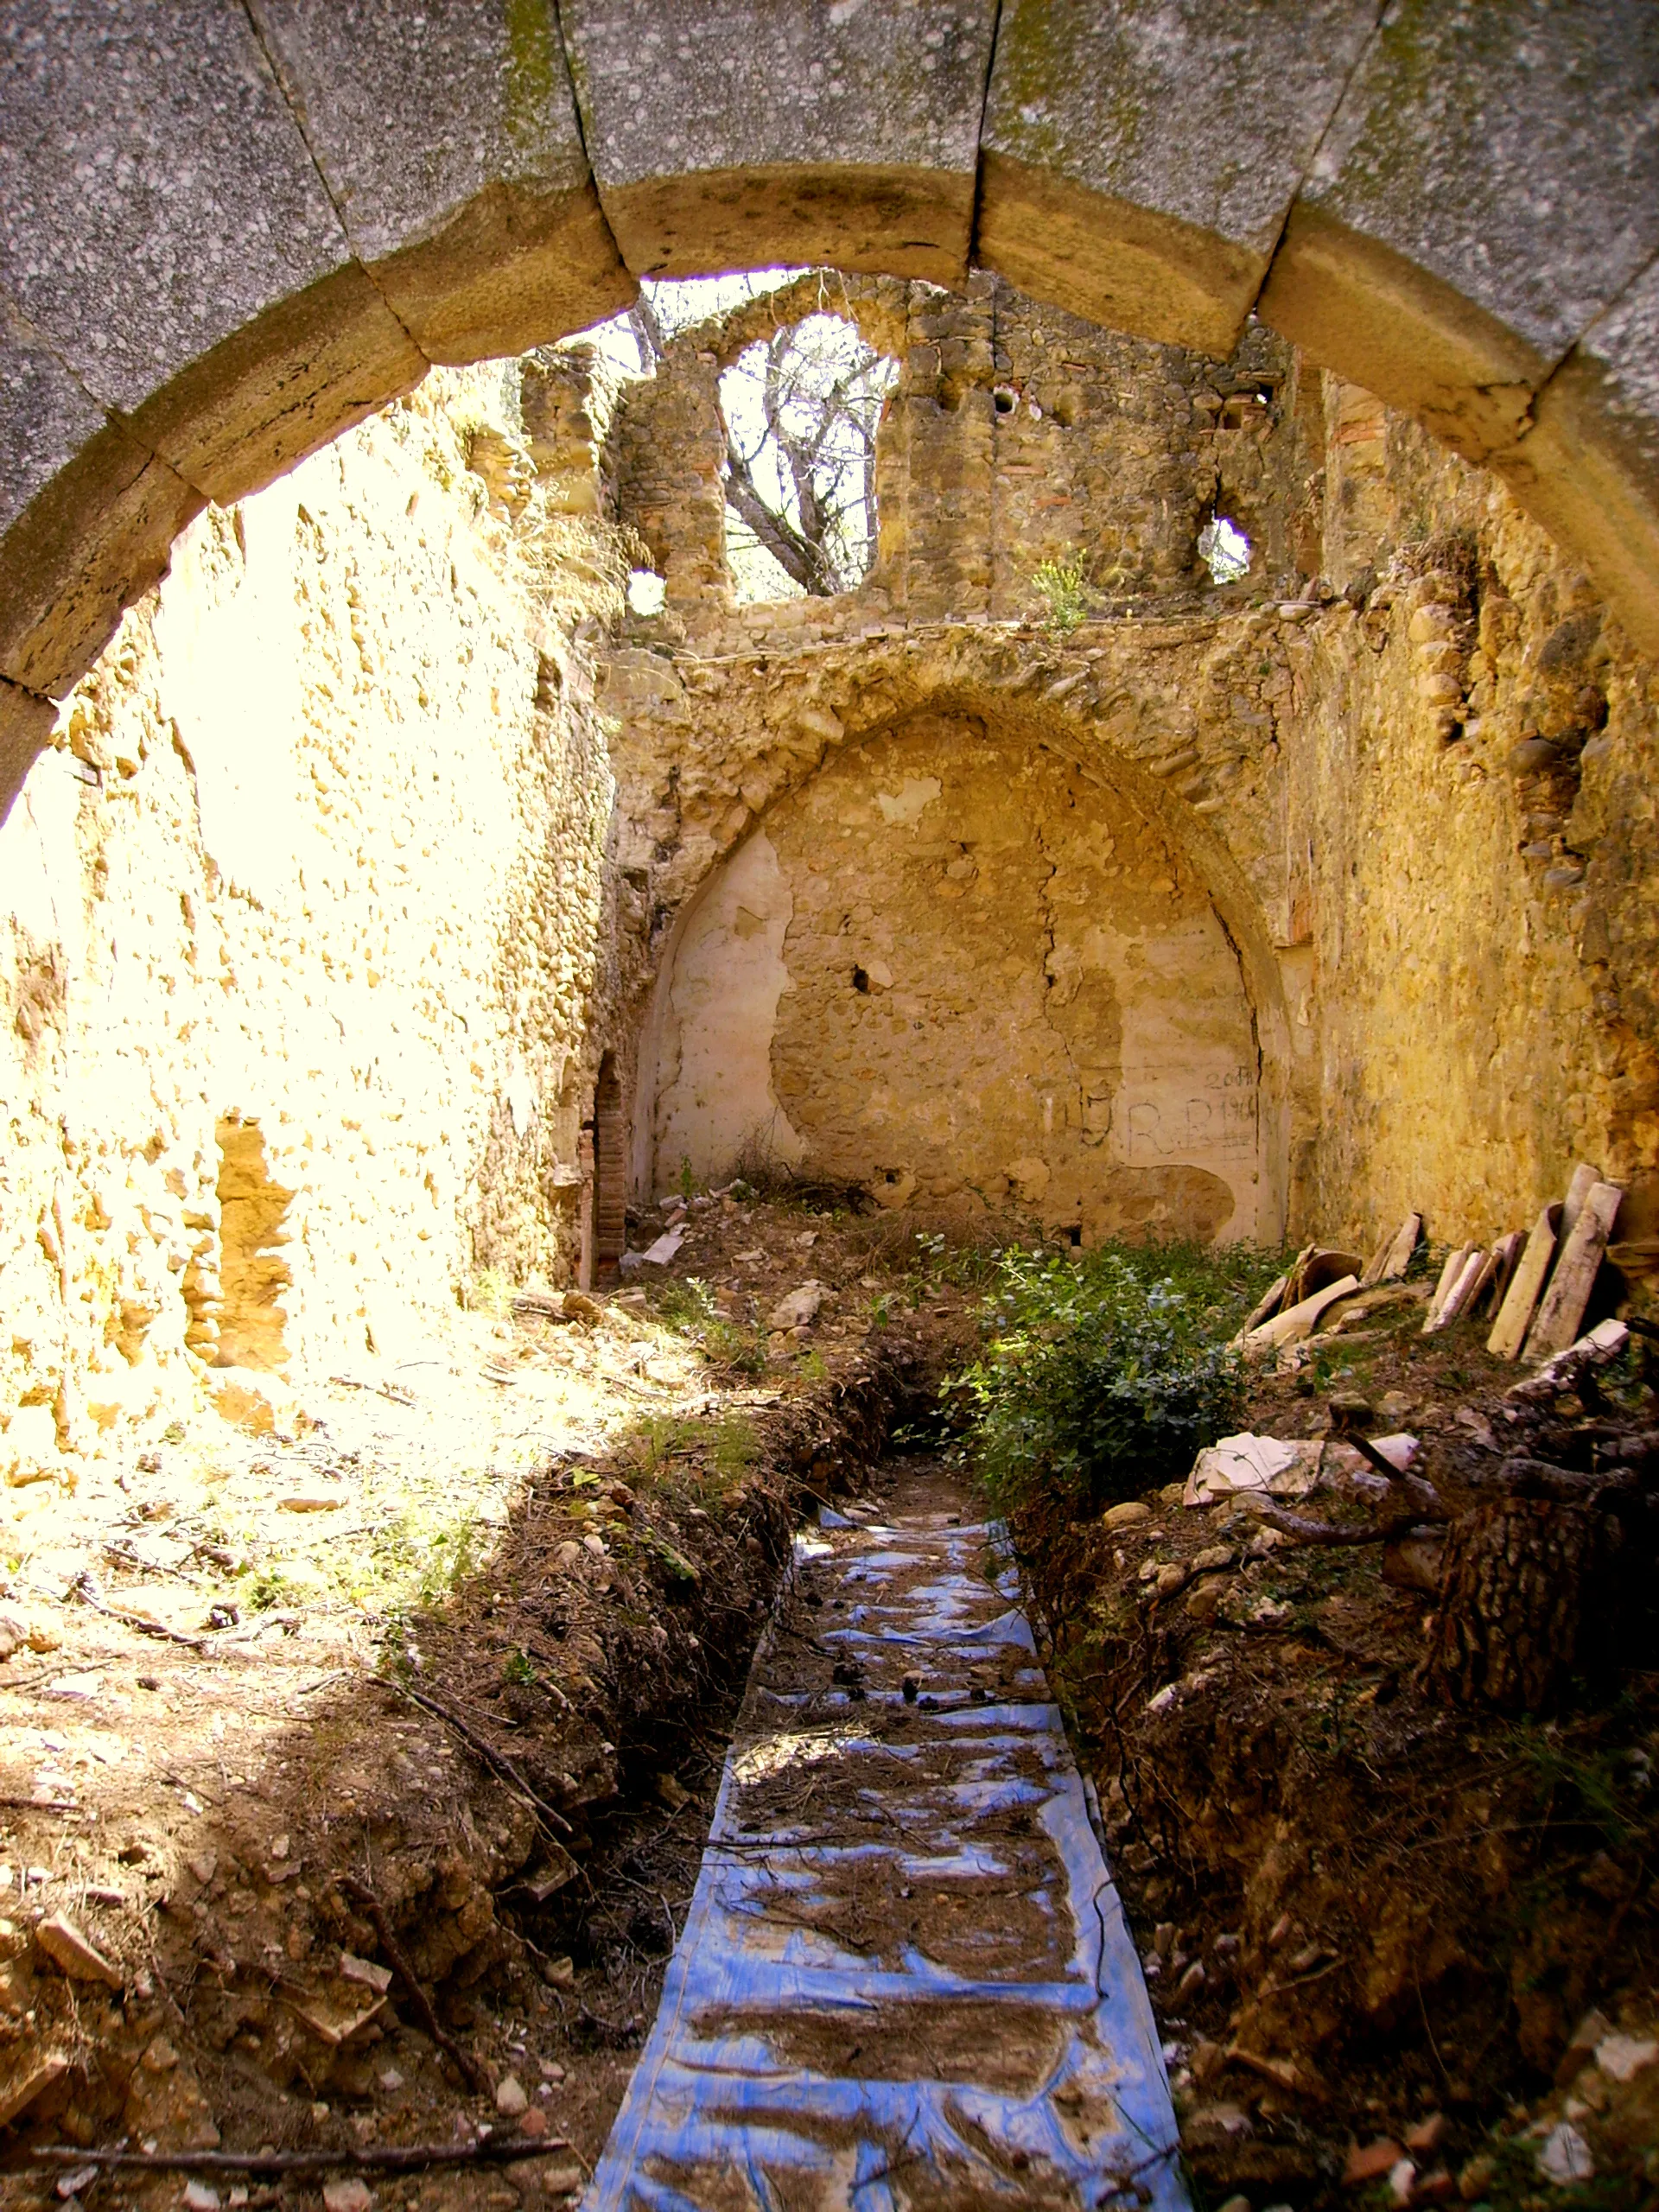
column 755, row 1001
column 1455, row 208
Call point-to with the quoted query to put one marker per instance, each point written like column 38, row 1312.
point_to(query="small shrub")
column 1062, row 585
column 735, row 1447
column 687, row 1306
column 1105, row 1372
column 489, row 1292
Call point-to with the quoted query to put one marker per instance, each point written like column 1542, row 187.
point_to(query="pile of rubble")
column 1538, row 1285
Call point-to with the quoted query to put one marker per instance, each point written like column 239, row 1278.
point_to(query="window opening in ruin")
column 646, row 591
column 1239, row 410
column 1224, row 550
column 610, row 1172
column 801, row 409
column 253, row 1269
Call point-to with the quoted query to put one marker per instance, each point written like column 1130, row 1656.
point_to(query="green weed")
column 489, row 1292
column 1105, row 1371
column 1062, row 585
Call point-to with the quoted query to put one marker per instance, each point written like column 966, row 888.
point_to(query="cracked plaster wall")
column 948, row 967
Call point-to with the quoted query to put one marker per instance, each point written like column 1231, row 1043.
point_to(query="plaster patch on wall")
column 910, row 801
column 728, row 978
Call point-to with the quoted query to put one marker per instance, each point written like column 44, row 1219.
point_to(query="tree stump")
column 1530, row 1594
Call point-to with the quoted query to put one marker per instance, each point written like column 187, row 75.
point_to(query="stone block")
column 741, row 134
column 1489, row 186
column 26, row 723
column 87, row 516
column 248, row 1398
column 1138, row 158
column 449, row 140
column 1588, row 467
column 165, row 230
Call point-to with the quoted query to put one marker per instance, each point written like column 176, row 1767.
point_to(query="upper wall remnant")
column 300, row 208
column 1015, row 436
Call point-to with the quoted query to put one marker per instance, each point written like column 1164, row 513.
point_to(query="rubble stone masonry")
column 1247, row 911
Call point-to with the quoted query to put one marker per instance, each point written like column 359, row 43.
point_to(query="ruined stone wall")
column 1407, row 762
column 1107, row 983
column 1016, row 434
column 299, row 933
column 1471, row 825
column 950, row 968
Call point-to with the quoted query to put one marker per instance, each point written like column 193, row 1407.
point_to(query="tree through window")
column 801, row 409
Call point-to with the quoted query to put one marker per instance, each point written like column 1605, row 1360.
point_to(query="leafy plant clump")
column 1062, row 584
column 1105, row 1372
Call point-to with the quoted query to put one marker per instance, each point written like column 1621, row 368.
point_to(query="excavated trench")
column 906, row 1977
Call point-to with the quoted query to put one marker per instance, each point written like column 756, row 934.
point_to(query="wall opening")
column 610, row 1172
column 1224, row 550
column 253, row 1269
column 801, row 410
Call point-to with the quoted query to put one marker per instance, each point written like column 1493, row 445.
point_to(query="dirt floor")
column 455, row 1648
column 1397, row 1946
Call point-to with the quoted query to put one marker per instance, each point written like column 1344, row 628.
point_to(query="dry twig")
column 471, row 2072
column 499, row 1760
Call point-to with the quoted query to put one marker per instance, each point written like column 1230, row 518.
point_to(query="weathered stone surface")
column 1138, row 159
column 98, row 535
column 1108, row 1082
column 87, row 518
column 1588, row 467
column 1490, row 184
column 449, row 140
column 163, row 226
column 26, row 722
column 345, row 814
column 737, row 134
column 45, row 416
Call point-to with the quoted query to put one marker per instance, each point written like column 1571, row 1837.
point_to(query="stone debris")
column 1565, row 2156
column 1250, row 1462
column 75, row 1954
column 30, row 2076
column 510, row 2097
column 800, row 1308
column 1623, row 2058
column 1372, row 2163
column 377, row 1978
column 350, row 2194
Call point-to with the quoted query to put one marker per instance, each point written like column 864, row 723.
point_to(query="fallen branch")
column 471, row 2072
column 81, row 1588
column 1305, row 1531
column 397, row 1392
column 499, row 1760
column 392, row 2158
